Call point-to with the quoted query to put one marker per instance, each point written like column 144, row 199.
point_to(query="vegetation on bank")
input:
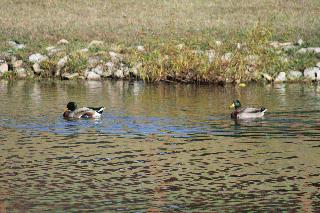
column 251, row 57
column 206, row 42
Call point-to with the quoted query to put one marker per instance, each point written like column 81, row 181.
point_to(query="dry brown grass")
column 136, row 21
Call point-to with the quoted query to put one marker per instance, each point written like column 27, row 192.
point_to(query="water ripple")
column 165, row 148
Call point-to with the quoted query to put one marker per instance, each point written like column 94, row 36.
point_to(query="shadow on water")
column 158, row 148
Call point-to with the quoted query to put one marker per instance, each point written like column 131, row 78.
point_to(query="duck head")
column 236, row 104
column 71, row 106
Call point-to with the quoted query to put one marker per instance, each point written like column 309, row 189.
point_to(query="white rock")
column 37, row 58
column 69, row 76
column 96, row 43
column 63, row 41
column 110, row 68
column 62, row 62
column 286, row 44
column 119, row 73
column 239, row 46
column 36, row 68
column 17, row 63
column 211, row 55
column 115, row 57
column 21, row 73
column 281, row 77
column 126, row 71
column 4, row 68
column 267, row 76
column 20, row 46
column 16, row 45
column 93, row 76
column 218, row 43
column 312, row 73
column 140, row 48
column 294, row 75
column 98, row 69
column 53, row 50
column 318, row 64
column 309, row 50
column 303, row 50
column 110, row 65
column 135, row 69
column 84, row 50
column 93, row 61
column 300, row 42
column 277, row 44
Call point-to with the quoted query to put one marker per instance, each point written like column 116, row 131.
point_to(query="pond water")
column 158, row 148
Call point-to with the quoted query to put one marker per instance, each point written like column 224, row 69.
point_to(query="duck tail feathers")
column 97, row 109
column 100, row 110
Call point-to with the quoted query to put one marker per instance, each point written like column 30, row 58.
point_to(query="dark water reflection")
column 158, row 148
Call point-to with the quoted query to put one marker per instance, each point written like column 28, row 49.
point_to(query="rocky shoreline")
column 95, row 63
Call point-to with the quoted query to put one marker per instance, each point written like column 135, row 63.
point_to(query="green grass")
column 302, row 61
column 77, row 62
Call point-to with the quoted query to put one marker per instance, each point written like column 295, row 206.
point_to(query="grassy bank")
column 179, row 36
column 251, row 57
column 129, row 21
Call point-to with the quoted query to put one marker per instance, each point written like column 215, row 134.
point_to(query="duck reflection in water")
column 252, row 122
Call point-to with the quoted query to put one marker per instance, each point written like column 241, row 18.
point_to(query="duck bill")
column 232, row 105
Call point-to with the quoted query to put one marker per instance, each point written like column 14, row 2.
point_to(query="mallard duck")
column 85, row 112
column 246, row 113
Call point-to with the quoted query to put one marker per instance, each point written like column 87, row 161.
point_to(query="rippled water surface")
column 158, row 148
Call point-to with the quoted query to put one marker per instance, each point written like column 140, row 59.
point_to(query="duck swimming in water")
column 85, row 112
column 246, row 112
